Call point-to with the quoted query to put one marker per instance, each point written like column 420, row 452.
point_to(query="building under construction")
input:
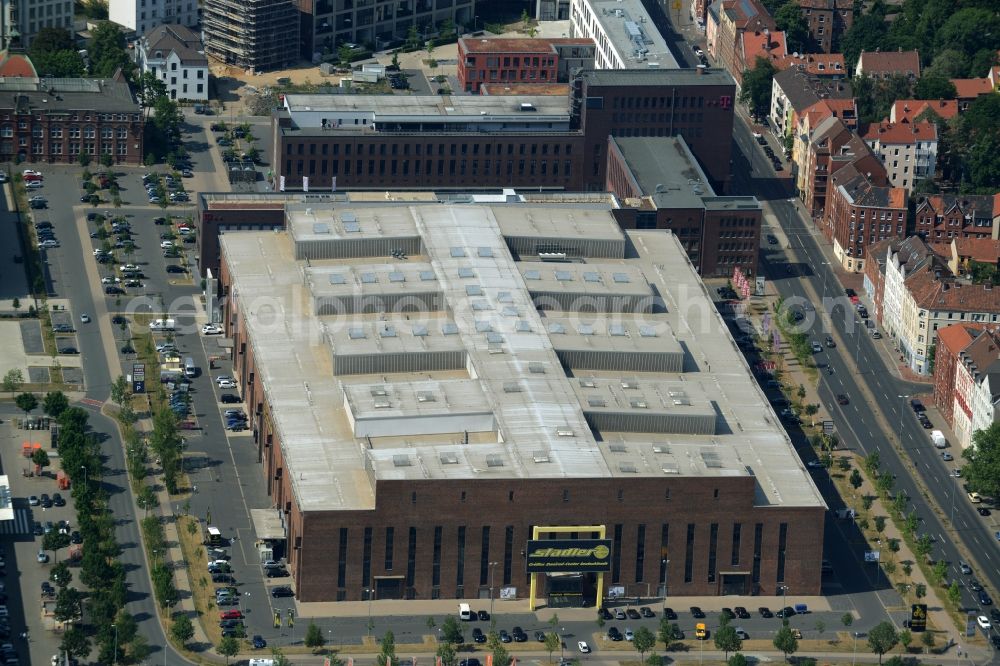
column 252, row 34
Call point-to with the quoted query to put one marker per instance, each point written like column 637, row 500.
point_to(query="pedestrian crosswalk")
column 21, row 524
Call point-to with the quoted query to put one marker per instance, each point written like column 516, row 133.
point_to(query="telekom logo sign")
column 725, row 101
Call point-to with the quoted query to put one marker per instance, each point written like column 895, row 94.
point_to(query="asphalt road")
column 859, row 423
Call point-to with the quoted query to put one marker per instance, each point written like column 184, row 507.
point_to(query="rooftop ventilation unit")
column 448, row 458
column 401, row 461
column 494, row 461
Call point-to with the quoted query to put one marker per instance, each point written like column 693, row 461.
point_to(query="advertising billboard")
column 569, row 555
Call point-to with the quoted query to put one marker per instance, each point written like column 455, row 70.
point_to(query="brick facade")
column 636, row 510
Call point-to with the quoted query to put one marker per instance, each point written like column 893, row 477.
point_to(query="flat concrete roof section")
column 630, row 28
column 455, row 361
column 6, row 503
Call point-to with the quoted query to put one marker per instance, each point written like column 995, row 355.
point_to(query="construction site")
column 254, row 35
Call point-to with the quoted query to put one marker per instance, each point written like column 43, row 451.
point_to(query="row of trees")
column 112, row 630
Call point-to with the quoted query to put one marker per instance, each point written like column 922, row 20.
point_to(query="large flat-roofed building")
column 623, row 32
column 416, row 417
column 384, row 142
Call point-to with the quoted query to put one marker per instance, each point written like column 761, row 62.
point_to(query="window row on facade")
column 553, row 167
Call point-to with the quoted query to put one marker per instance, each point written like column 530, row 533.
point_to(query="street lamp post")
column 562, row 645
column 86, row 475
column 784, row 591
column 114, row 655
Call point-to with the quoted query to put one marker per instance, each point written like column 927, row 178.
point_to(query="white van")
column 190, row 369
column 465, row 613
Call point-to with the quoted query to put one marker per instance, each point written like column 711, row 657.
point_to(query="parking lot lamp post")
column 784, row 591
column 86, row 475
column 114, row 655
column 854, row 656
column 371, row 593
column 492, row 571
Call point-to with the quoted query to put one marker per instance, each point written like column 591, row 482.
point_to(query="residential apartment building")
column 900, row 257
column 824, row 141
column 20, row 20
column 623, row 32
column 759, row 44
column 861, row 212
column 939, row 218
column 510, row 61
column 141, row 16
column 913, row 110
column 660, row 186
column 793, row 92
column 907, row 149
column 376, row 24
column 977, row 386
column 737, row 17
column 921, row 296
column 174, row 55
column 873, row 275
column 968, row 90
column 964, row 253
column 828, row 20
column 886, row 64
column 256, row 35
column 951, row 341
column 386, row 142
column 54, row 120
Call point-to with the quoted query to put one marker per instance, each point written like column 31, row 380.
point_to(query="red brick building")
column 660, row 186
column 828, row 20
column 499, row 60
column 942, row 217
column 56, row 120
column 953, row 344
column 862, row 211
column 378, row 142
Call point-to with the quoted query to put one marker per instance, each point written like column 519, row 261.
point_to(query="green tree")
column 13, row 380
column 344, row 54
column 954, row 593
column 820, row 627
column 871, row 463
column 500, row 655
column 68, row 604
column 756, row 90
column 867, row 33
column 107, row 51
column 75, row 643
column 451, row 630
column 412, row 38
column 939, row 570
column 927, row 639
column 924, row 545
column 856, row 479
column 387, row 650
column 785, row 641
column 55, row 541
column 970, row 30
column 790, row 19
column 552, row 643
column 643, row 641
column 905, row 638
column 228, row 647
column 847, row 619
column 727, row 640
column 882, row 638
column 314, row 636
column 880, row 524
column 55, row 403
column 150, row 89
column 40, row 458
column 447, row 653
column 737, row 660
column 934, row 86
column 61, row 575
column 666, row 632
column 54, row 53
column 182, row 629
column 920, row 590
column 146, row 499
column 26, row 402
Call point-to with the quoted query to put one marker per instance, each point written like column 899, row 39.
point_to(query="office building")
column 465, row 142
column 255, row 35
column 513, row 61
column 141, row 16
column 56, row 120
column 20, row 20
column 417, row 418
column 623, row 32
column 376, row 24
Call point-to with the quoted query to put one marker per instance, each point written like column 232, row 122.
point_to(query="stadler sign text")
column 566, row 555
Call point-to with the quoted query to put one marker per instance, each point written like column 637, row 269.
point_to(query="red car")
column 231, row 615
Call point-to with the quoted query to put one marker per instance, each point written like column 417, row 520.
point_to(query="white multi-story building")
column 143, row 15
column 902, row 260
column 908, row 150
column 20, row 20
column 174, row 54
column 624, row 33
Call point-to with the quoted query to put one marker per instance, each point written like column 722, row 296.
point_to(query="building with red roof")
column 886, row 64
column 862, row 209
column 827, row 20
column 951, row 342
column 907, row 149
column 942, row 217
column 967, row 90
column 922, row 109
